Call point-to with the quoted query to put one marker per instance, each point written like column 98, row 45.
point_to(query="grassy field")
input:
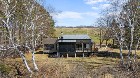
column 61, row 67
column 89, row 67
column 92, row 32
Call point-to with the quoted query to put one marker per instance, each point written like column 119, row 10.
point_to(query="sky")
column 76, row 12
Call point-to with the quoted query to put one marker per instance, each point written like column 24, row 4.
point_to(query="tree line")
column 76, row 27
column 23, row 25
column 121, row 22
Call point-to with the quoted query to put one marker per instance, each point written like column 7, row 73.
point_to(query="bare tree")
column 124, row 24
column 8, row 13
column 25, row 24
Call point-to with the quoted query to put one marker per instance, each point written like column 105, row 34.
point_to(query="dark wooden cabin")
column 74, row 43
column 70, row 44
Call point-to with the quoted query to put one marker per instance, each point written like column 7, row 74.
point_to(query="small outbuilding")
column 50, row 45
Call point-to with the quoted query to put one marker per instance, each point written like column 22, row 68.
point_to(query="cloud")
column 95, row 8
column 72, row 18
column 93, row 14
column 75, row 15
column 91, row 2
column 69, row 14
column 98, row 4
column 103, row 6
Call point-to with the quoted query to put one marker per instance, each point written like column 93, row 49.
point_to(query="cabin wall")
column 47, row 50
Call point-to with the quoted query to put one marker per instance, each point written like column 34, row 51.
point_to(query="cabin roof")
column 67, row 41
column 82, row 36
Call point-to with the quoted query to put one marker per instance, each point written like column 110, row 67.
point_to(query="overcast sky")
column 77, row 12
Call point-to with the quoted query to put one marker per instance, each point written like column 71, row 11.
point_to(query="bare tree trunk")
column 131, row 43
column 33, row 46
column 120, row 40
column 11, row 42
column 21, row 54
column 121, row 54
column 24, row 60
column 100, row 38
column 135, row 54
column 33, row 59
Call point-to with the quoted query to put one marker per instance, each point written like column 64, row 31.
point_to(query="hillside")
column 92, row 32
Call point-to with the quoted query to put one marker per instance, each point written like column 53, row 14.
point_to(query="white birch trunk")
column 131, row 43
column 33, row 59
column 33, row 46
column 120, row 40
column 21, row 54
column 121, row 54
column 32, row 27
column 135, row 54
column 24, row 60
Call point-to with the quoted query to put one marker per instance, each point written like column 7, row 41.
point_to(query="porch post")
column 75, row 54
column 83, row 47
column 67, row 55
column 83, row 54
column 58, row 54
column 57, row 47
column 43, row 48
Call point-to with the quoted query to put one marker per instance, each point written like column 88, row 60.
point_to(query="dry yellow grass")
column 93, row 62
column 88, row 61
column 62, row 67
column 118, row 51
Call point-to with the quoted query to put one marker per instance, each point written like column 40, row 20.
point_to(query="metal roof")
column 67, row 41
column 75, row 37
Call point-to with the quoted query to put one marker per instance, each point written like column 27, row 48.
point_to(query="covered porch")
column 74, row 46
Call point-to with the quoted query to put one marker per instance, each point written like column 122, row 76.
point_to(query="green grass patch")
column 92, row 32
column 4, row 69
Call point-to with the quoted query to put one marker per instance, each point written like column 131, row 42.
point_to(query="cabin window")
column 84, row 45
column 87, row 46
column 49, row 46
column 78, row 46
